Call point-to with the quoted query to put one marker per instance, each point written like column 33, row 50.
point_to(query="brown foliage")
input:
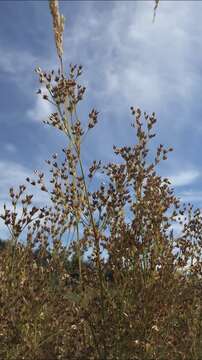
column 141, row 302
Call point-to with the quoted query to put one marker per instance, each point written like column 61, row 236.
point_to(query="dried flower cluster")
column 142, row 300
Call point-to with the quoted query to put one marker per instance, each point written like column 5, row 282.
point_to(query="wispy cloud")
column 10, row 148
column 191, row 196
column 40, row 111
column 14, row 174
column 128, row 60
column 184, row 177
column 15, row 62
column 136, row 59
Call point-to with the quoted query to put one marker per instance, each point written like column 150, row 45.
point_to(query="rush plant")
column 142, row 299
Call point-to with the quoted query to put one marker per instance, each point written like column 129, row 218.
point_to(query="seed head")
column 58, row 26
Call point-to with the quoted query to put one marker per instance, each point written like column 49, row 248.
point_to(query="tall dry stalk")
column 155, row 9
column 58, row 27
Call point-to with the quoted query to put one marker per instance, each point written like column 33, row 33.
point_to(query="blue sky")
column 127, row 61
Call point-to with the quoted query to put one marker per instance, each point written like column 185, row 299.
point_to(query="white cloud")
column 184, row 177
column 41, row 110
column 15, row 62
column 13, row 175
column 191, row 196
column 128, row 60
column 136, row 60
column 177, row 229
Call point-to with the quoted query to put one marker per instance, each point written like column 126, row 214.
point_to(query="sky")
column 127, row 61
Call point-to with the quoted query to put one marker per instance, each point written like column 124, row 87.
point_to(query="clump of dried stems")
column 143, row 299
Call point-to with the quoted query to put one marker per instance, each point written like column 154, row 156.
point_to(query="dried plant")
column 143, row 299
column 155, row 8
column 58, row 26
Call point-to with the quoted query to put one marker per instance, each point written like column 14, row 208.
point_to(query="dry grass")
column 137, row 304
column 58, row 26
